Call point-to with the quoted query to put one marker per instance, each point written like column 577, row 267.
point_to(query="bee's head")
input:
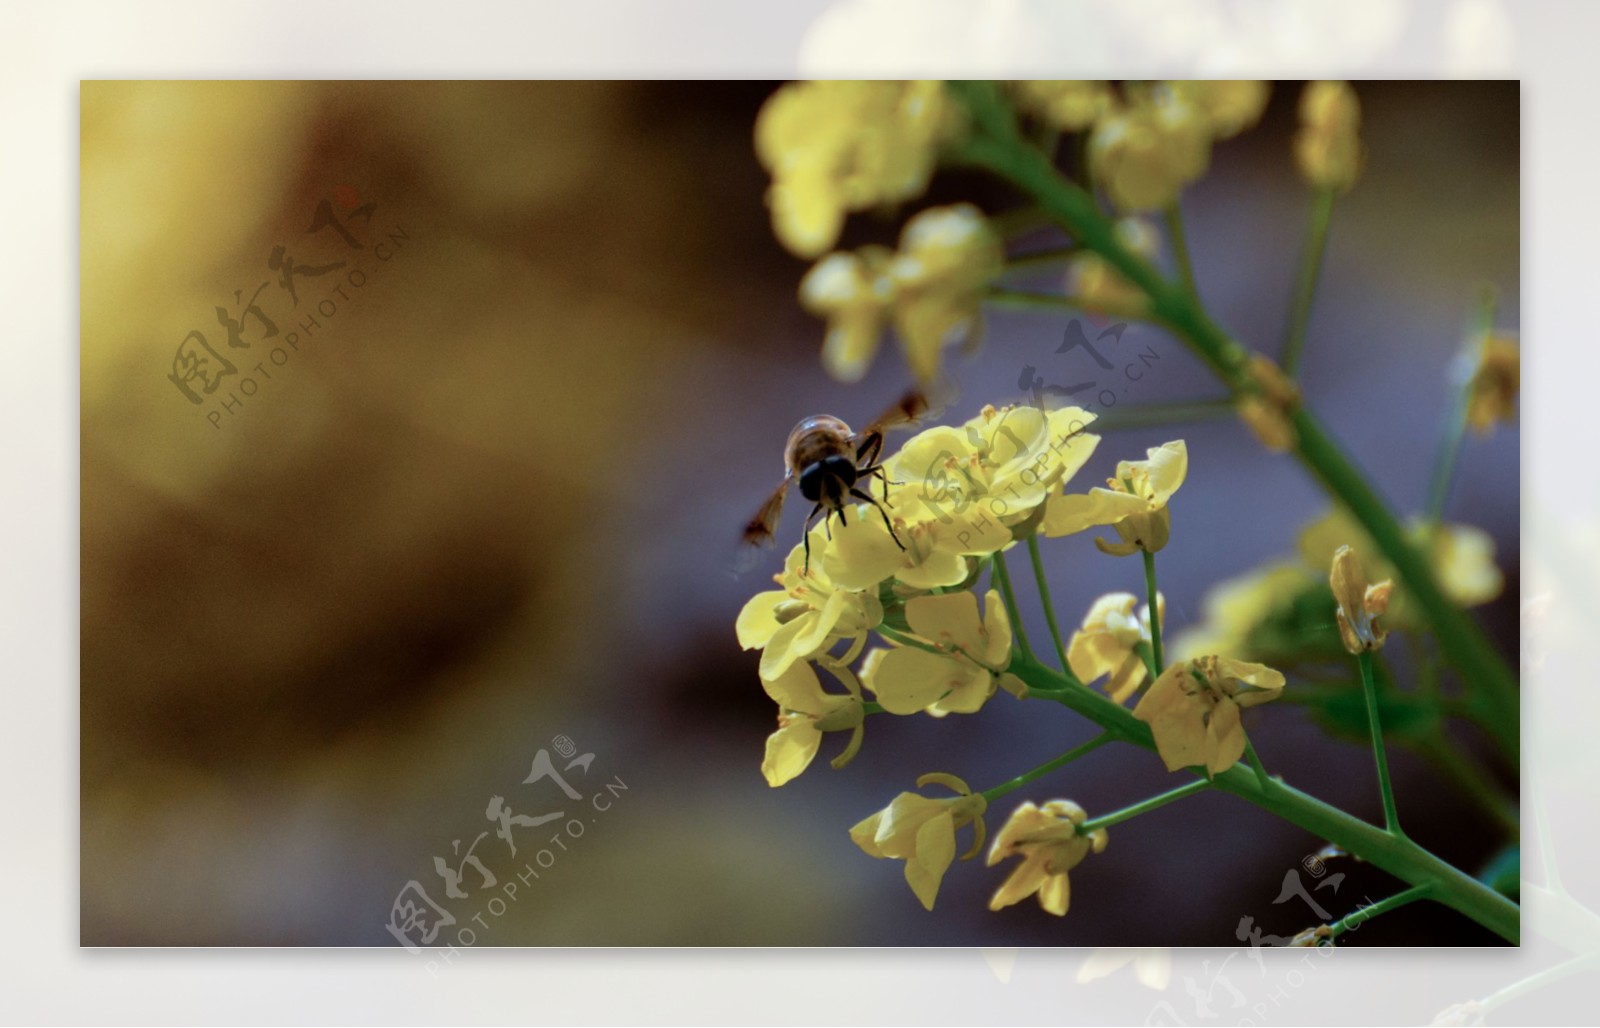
column 828, row 480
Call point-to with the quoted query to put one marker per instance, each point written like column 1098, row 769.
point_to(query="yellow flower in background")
column 1145, row 153
column 1268, row 409
column 854, row 293
column 1358, row 605
column 946, row 260
column 1193, row 710
column 1232, row 609
column 1048, row 840
column 1135, row 504
column 981, row 482
column 836, row 147
column 932, row 289
column 1108, row 642
column 1068, row 105
column 1094, row 283
column 1462, row 558
column 805, row 712
column 1328, row 147
column 959, row 679
column 1228, row 106
column 1492, row 389
column 922, row 832
column 806, row 616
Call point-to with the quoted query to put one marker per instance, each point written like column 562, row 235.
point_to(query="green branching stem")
column 1361, row 915
column 1144, row 806
column 990, row 795
column 1155, row 610
column 1044, row 600
column 1395, row 854
column 1380, row 754
column 1002, row 578
column 1305, row 288
column 1490, row 677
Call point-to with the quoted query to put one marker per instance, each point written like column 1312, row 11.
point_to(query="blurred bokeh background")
column 491, row 501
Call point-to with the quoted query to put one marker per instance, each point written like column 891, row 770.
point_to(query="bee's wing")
column 761, row 527
column 908, row 410
column 758, row 533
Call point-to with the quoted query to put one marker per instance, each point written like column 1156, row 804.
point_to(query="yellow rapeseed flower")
column 1462, row 557
column 1135, row 504
column 1328, row 147
column 984, row 481
column 1229, row 106
column 807, row 615
column 836, row 147
column 1108, row 642
column 1232, row 609
column 1358, row 605
column 1068, row 105
column 1193, row 710
column 946, row 260
column 1145, row 153
column 854, row 292
column 1492, row 389
column 805, row 712
column 1093, row 282
column 1268, row 408
column 931, row 288
column 1048, row 840
column 922, row 831
column 969, row 665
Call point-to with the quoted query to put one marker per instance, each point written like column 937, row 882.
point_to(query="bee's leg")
column 806, row 535
column 876, row 471
column 870, row 448
column 863, row 496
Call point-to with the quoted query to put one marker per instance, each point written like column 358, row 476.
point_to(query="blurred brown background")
column 491, row 500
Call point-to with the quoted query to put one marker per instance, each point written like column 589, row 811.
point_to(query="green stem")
column 1180, row 246
column 1144, row 807
column 1361, row 915
column 1044, row 600
column 1459, row 638
column 990, row 795
column 1002, row 577
column 1305, row 289
column 1040, row 258
column 1255, row 763
column 1027, row 300
column 1155, row 609
column 1379, row 751
column 1455, row 425
column 1397, row 855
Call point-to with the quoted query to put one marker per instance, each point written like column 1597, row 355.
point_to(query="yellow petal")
column 862, row 554
column 1069, row 513
column 1224, row 738
column 935, row 849
column 1054, row 894
column 757, row 621
column 798, row 689
column 948, row 621
column 1023, row 882
column 908, row 680
column 790, row 751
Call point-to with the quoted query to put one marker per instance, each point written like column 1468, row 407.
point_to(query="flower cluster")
column 930, row 289
column 836, row 147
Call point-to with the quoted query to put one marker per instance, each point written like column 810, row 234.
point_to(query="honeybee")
column 831, row 462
